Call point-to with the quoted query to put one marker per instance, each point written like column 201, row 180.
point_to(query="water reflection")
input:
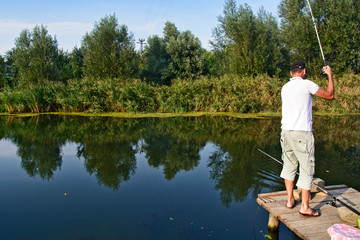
column 171, row 153
column 111, row 162
column 109, row 147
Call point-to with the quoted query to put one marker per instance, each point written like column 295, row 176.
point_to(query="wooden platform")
column 313, row 228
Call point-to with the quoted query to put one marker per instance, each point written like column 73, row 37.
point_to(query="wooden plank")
column 316, row 236
column 318, row 231
column 312, row 228
column 272, row 194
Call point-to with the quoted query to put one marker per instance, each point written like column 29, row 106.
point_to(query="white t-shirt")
column 296, row 97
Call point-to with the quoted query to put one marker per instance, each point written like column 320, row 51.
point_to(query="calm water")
column 173, row 178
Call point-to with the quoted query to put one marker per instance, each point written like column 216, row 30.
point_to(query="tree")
column 298, row 32
column 71, row 64
column 185, row 52
column 11, row 70
column 175, row 55
column 247, row 44
column 36, row 55
column 157, row 62
column 76, row 63
column 109, row 50
column 338, row 23
column 2, row 72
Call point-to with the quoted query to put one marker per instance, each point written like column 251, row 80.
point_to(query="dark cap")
column 298, row 65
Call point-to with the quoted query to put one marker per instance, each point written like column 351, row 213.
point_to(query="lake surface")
column 65, row 177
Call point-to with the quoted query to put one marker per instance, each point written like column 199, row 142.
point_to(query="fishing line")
column 334, row 198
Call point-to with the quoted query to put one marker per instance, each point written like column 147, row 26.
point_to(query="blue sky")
column 70, row 20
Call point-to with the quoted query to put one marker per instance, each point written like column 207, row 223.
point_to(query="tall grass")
column 223, row 94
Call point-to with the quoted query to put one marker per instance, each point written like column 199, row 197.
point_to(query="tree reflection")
column 109, row 147
column 39, row 147
column 111, row 162
column 172, row 153
column 40, row 158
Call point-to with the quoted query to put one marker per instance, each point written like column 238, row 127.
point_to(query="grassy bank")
column 228, row 94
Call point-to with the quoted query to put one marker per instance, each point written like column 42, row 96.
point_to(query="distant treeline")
column 174, row 72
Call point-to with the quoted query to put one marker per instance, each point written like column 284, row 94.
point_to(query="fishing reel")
column 333, row 202
column 322, row 72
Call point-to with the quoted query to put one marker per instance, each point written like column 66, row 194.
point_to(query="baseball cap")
column 298, row 65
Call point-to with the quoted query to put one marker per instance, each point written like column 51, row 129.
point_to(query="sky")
column 68, row 21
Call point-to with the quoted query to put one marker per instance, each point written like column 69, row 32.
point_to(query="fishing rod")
column 334, row 198
column 317, row 33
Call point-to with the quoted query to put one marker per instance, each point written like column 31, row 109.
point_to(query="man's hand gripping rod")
column 334, row 198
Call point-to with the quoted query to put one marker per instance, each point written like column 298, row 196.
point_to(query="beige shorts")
column 298, row 149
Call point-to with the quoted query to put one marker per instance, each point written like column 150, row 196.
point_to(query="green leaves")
column 247, row 44
column 176, row 55
column 2, row 72
column 338, row 26
column 109, row 50
column 36, row 56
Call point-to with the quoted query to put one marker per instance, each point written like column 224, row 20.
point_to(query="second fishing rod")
column 333, row 197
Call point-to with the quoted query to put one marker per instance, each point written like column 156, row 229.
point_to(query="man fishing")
column 297, row 140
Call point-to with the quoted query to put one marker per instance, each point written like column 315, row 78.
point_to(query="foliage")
column 156, row 62
column 11, row 71
column 176, row 55
column 36, row 56
column 109, row 50
column 338, row 26
column 70, row 64
column 229, row 93
column 76, row 62
column 2, row 72
column 186, row 56
column 248, row 44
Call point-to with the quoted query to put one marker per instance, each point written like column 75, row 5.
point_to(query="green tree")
column 209, row 63
column 36, row 56
column 185, row 51
column 157, row 60
column 248, row 44
column 297, row 32
column 170, row 31
column 2, row 72
column 175, row 55
column 11, row 70
column 76, row 63
column 338, row 23
column 109, row 50
column 71, row 64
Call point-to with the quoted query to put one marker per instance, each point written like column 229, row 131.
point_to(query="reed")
column 229, row 93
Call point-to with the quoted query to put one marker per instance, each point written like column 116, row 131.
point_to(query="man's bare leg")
column 305, row 208
column 289, row 190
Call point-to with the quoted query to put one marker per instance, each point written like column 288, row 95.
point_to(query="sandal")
column 314, row 213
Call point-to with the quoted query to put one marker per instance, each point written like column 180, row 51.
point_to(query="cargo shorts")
column 298, row 148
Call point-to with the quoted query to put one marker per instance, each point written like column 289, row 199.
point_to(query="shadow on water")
column 109, row 148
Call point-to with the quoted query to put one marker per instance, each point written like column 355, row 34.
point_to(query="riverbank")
column 169, row 115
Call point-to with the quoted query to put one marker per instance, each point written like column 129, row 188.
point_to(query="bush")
column 229, row 93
